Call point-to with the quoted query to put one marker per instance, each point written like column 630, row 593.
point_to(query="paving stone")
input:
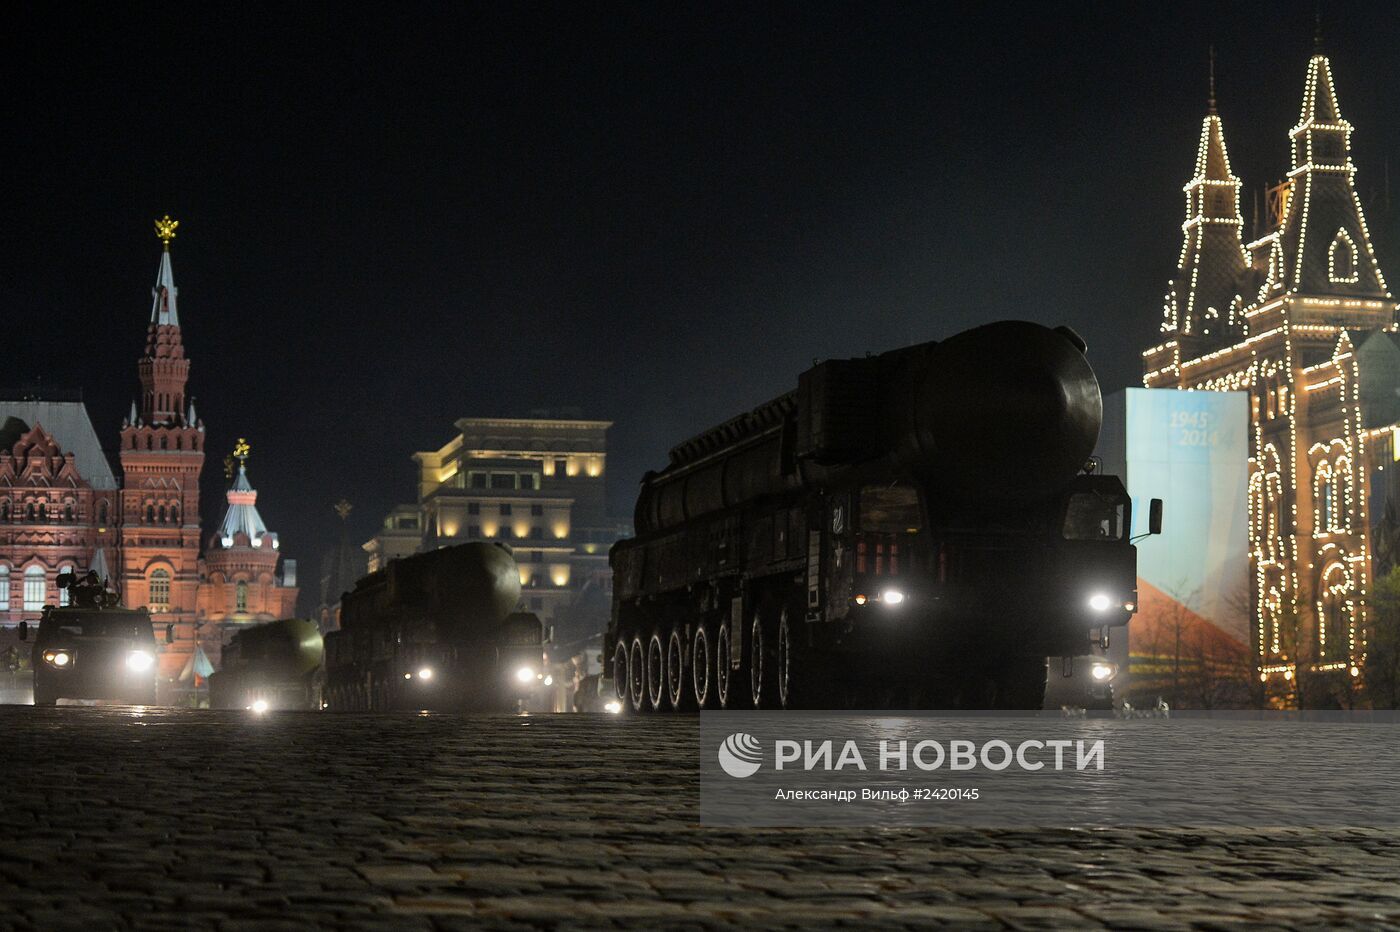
column 205, row 820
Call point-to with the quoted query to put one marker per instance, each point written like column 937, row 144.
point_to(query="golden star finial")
column 241, row 451
column 342, row 508
column 165, row 229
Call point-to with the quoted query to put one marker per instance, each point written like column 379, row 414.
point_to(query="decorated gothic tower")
column 162, row 453
column 1301, row 320
column 241, row 582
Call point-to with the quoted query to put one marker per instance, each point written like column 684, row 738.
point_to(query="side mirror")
column 1154, row 516
column 24, row 630
column 170, row 634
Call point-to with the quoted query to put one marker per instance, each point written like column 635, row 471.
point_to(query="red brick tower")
column 162, row 452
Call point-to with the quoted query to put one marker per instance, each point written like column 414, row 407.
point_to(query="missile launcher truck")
column 916, row 529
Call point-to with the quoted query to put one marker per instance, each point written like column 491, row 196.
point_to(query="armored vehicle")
column 913, row 529
column 436, row 631
column 91, row 649
column 270, row 666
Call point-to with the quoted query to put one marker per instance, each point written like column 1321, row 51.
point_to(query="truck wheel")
column 793, row 671
column 731, row 685
column 620, row 670
column 762, row 664
column 656, row 671
column 702, row 667
column 677, row 677
column 636, row 677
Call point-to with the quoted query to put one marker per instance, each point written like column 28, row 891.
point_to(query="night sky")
column 398, row 215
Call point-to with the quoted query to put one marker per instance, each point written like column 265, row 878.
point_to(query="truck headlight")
column 1101, row 671
column 892, row 597
column 139, row 661
column 525, row 674
column 426, row 673
column 57, row 658
column 1100, row 602
column 612, row 706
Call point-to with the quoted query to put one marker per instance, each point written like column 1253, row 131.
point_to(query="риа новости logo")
column 740, row 754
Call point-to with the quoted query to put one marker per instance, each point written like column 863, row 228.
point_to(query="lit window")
column 241, row 598
column 160, row 590
column 1341, row 259
column 33, row 588
column 4, row 588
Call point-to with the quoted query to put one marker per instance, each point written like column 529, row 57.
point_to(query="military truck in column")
column 918, row 529
column 270, row 666
column 436, row 631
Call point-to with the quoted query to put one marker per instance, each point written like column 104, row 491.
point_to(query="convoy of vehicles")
column 436, row 631
column 914, row 529
column 917, row 529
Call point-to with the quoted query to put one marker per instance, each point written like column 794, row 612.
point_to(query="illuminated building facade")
column 536, row 484
column 241, row 583
column 1301, row 319
column 58, row 503
column 62, row 508
column 162, row 455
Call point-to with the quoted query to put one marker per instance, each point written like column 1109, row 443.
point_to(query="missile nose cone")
column 1004, row 414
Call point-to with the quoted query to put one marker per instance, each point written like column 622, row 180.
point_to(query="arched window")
column 5, row 512
column 160, row 590
column 174, row 514
column 164, row 443
column 4, row 588
column 240, row 599
column 102, row 513
column 1341, row 494
column 1322, row 498
column 63, row 594
column 162, row 514
column 34, row 588
column 68, row 512
column 150, row 514
column 1334, row 614
column 43, row 512
column 1341, row 259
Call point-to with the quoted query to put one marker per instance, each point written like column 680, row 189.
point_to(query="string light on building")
column 1319, row 310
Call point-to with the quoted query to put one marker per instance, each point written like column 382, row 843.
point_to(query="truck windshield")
column 1094, row 516
column 892, row 509
column 98, row 626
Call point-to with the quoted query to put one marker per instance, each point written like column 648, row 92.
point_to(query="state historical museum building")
column 62, row 508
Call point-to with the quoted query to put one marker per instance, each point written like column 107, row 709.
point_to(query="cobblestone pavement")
column 119, row 818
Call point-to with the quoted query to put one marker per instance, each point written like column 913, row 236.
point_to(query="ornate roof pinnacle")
column 165, row 229
column 1210, row 103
